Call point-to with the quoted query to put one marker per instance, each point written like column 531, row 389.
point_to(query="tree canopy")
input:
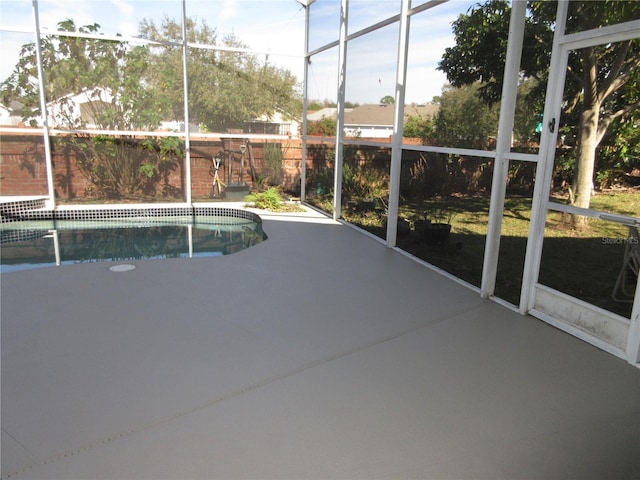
column 109, row 74
column 226, row 88
column 602, row 86
column 479, row 54
column 138, row 86
column 95, row 83
column 463, row 120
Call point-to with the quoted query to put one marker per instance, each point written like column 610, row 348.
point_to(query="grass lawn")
column 584, row 264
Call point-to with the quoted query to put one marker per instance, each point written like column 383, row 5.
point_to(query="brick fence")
column 23, row 168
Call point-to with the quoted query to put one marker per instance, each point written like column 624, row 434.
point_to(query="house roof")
column 14, row 107
column 383, row 114
column 328, row 112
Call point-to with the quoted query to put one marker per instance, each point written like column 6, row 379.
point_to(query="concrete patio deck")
column 319, row 353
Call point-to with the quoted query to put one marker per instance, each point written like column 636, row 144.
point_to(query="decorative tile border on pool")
column 12, row 209
column 224, row 215
column 21, row 235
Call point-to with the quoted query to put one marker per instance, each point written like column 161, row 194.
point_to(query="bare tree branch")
column 620, row 71
column 605, row 121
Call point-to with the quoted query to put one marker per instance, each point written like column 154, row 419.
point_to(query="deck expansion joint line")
column 242, row 390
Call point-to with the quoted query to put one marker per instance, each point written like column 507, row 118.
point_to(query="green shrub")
column 270, row 199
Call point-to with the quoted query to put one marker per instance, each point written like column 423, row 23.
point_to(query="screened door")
column 584, row 253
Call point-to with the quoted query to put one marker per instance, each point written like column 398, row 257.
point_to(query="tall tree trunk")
column 588, row 139
column 585, row 163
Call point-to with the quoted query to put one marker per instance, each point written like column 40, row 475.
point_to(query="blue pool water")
column 45, row 243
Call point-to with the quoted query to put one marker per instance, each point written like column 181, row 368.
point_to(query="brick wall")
column 22, row 165
column 23, row 168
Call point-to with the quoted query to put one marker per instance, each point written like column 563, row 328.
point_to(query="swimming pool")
column 37, row 239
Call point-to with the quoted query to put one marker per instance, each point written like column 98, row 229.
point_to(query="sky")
column 275, row 27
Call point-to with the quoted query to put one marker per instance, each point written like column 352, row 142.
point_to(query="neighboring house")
column 177, row 126
column 276, row 124
column 79, row 108
column 376, row 121
column 329, row 112
column 9, row 115
column 83, row 108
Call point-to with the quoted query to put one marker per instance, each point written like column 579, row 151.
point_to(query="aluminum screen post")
column 305, row 107
column 398, row 127
column 633, row 337
column 187, row 142
column 503, row 146
column 342, row 70
column 43, row 111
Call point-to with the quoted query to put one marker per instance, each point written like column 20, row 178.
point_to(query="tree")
column 325, row 127
column 94, row 83
column 463, row 119
column 226, row 88
column 108, row 74
column 528, row 114
column 314, row 106
column 416, row 126
column 387, row 100
column 601, row 85
column 127, row 87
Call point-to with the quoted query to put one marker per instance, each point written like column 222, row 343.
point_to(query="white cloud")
column 423, row 84
column 228, row 11
column 127, row 22
column 52, row 12
column 276, row 26
column 363, row 13
column 11, row 44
